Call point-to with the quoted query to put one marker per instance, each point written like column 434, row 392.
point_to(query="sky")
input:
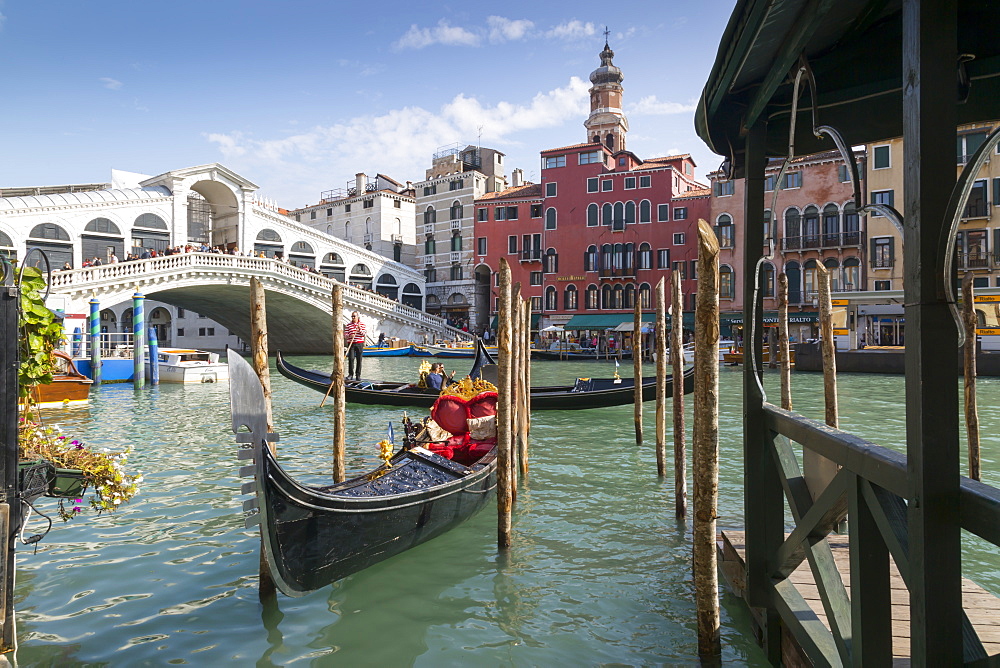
column 298, row 96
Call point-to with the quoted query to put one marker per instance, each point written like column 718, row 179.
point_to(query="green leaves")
column 40, row 333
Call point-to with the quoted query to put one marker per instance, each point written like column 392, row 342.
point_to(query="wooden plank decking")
column 982, row 607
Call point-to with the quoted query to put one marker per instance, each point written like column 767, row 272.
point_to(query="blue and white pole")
column 138, row 341
column 95, row 340
column 154, row 357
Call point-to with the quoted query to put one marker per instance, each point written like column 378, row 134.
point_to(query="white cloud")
column 572, row 29
column 399, row 142
column 507, row 30
column 110, row 83
column 652, row 106
column 442, row 33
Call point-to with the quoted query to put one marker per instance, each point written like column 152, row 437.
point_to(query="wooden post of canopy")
column 504, row 432
column 818, row 470
column 258, row 352
column 525, row 424
column 706, row 442
column 661, row 378
column 783, row 347
column 969, row 369
column 637, row 370
column 338, row 388
column 677, row 364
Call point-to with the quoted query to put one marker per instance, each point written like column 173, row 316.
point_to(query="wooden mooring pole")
column 969, row 369
column 338, row 390
column 783, row 347
column 504, row 432
column 706, row 442
column 258, row 357
column 516, row 341
column 677, row 364
column 818, row 470
column 661, row 378
column 525, row 423
column 637, row 370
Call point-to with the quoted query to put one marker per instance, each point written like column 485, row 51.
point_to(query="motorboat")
column 187, row 365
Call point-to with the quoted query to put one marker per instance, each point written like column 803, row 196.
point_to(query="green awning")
column 611, row 320
column 853, row 49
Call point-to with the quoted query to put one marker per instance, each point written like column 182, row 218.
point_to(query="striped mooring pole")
column 138, row 341
column 154, row 357
column 95, row 340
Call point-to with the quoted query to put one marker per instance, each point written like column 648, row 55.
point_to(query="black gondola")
column 585, row 393
column 313, row 536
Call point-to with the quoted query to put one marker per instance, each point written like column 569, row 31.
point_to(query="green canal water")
column 600, row 572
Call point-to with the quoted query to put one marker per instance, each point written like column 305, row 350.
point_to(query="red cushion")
column 443, row 450
column 451, row 413
column 479, row 449
column 458, row 443
column 483, row 404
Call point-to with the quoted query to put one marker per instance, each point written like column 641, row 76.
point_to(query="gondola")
column 585, row 393
column 568, row 355
column 313, row 536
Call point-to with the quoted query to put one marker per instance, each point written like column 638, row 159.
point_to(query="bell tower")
column 607, row 123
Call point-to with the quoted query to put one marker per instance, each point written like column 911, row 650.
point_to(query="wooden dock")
column 982, row 607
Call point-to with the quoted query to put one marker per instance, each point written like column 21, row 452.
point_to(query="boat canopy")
column 854, row 49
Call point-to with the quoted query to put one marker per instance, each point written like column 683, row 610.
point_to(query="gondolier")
column 354, row 339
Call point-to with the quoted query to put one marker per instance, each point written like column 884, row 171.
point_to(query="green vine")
column 40, row 333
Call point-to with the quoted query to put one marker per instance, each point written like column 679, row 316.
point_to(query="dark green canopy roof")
column 854, row 50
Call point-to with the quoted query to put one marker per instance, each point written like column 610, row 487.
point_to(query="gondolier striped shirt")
column 354, row 332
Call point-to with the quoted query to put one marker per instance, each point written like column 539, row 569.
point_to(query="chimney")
column 360, row 182
column 517, row 178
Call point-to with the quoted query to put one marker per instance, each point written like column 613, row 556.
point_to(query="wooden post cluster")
column 969, row 369
column 677, row 364
column 637, row 370
column 706, row 442
column 783, row 347
column 258, row 353
column 504, row 432
column 337, row 386
column 661, row 378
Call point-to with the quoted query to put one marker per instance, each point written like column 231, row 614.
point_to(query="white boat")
column 186, row 365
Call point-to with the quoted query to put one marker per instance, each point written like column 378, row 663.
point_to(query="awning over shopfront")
column 603, row 321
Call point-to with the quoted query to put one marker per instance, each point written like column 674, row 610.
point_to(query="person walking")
column 354, row 339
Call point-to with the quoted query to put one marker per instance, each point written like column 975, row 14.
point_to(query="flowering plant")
column 105, row 470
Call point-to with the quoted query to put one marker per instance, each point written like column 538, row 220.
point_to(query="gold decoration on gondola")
column 385, row 451
column 468, row 388
column 425, row 368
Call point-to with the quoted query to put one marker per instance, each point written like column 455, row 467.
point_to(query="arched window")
column 767, row 279
column 333, row 258
column 329, row 230
column 794, row 274
column 809, row 285
column 606, row 214
column 724, row 230
column 102, row 226
column 430, row 275
column 456, row 210
column 570, row 298
column 361, row 270
column 645, row 211
column 852, row 226
column 368, row 226
column 5, row 240
column 645, row 256
column 150, row 221
column 727, row 284
column 629, row 301
column 628, row 259
column 550, row 218
column 593, row 298
column 456, row 241
column 609, row 141
column 607, row 263
column 645, row 296
column 429, row 216
column 793, row 230
column 852, row 274
column 833, row 267
column 550, row 263
column 592, row 216
column 347, row 232
column 606, row 302
column 629, row 213
column 618, row 220
column 430, row 246
column 831, row 225
column 616, row 299
column 301, row 247
column 618, row 257
column 551, row 299
column 268, row 235
column 590, row 259
column 810, row 227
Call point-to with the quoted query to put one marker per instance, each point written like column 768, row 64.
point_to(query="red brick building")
column 601, row 228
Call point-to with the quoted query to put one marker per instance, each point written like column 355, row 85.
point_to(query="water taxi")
column 186, row 365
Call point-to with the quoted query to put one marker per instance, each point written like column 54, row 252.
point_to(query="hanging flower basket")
column 68, row 483
column 34, row 478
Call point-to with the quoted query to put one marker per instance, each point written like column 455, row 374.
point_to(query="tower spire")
column 607, row 123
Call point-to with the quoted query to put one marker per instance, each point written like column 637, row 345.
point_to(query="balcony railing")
column 369, row 238
column 396, row 238
column 428, row 228
column 616, row 272
column 978, row 209
column 531, row 254
column 824, row 240
column 974, row 260
column 883, row 262
column 456, row 224
column 455, row 256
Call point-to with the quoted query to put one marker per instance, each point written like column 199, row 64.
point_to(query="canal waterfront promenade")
column 599, row 571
